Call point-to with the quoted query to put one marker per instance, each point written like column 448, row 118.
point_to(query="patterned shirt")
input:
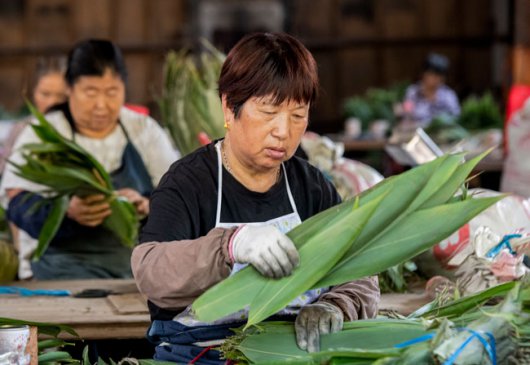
column 423, row 111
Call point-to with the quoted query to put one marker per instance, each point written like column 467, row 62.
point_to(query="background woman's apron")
column 96, row 252
column 184, row 338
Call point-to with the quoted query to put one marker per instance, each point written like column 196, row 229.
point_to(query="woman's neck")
column 96, row 134
column 255, row 180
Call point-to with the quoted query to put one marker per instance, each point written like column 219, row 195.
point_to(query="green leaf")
column 51, row 225
column 86, row 359
column 463, row 305
column 54, row 356
column 44, row 328
column 53, row 342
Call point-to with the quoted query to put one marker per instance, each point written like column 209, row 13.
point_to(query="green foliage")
column 375, row 104
column 480, row 113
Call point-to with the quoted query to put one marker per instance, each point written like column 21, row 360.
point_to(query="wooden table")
column 123, row 315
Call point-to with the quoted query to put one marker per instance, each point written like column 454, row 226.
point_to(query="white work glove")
column 271, row 252
column 315, row 320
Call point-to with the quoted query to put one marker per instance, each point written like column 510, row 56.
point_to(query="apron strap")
column 219, row 183
column 291, row 199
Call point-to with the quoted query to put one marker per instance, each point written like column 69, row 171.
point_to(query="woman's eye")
column 268, row 112
column 298, row 116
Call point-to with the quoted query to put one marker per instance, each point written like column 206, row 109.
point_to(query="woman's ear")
column 228, row 113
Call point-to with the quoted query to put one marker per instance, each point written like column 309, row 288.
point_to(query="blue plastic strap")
column 490, row 347
column 29, row 292
column 414, row 341
column 505, row 243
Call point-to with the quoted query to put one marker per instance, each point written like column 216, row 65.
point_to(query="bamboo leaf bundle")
column 403, row 341
column 275, row 342
column 67, row 169
column 190, row 103
column 416, row 212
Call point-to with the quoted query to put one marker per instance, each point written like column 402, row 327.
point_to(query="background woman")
column 132, row 147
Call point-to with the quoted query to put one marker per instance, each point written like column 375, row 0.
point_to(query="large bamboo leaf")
column 267, row 347
column 452, row 185
column 316, row 259
column 416, row 233
column 441, row 174
column 51, row 225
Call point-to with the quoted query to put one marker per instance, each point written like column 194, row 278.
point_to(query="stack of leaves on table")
column 68, row 169
column 463, row 332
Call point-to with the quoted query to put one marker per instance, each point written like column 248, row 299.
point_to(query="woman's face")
column 264, row 135
column 95, row 103
column 50, row 90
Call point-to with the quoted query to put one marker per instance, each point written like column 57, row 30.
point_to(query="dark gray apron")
column 96, row 252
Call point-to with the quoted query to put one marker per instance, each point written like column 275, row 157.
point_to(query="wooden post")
column 521, row 51
column 32, row 346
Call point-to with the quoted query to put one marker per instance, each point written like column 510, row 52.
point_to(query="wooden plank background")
column 358, row 43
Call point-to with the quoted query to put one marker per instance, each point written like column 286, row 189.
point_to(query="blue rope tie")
column 29, row 292
column 490, row 347
column 505, row 243
column 414, row 341
column 489, row 344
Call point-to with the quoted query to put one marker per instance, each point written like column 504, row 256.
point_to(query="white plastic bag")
column 508, row 216
column 516, row 174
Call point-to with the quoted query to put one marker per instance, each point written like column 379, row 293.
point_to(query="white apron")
column 284, row 223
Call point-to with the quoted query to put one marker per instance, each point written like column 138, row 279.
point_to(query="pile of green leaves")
column 386, row 225
column 401, row 341
column 375, row 104
column 480, row 113
column 190, row 104
column 68, row 169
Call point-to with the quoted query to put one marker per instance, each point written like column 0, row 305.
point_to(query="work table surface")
column 124, row 313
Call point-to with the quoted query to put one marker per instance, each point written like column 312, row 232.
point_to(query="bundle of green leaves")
column 190, row 104
column 447, row 333
column 68, row 169
column 392, row 222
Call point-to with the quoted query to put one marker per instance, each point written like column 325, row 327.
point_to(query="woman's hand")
column 140, row 202
column 89, row 211
column 271, row 252
column 315, row 320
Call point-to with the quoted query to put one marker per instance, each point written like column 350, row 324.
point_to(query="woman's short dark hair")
column 275, row 64
column 92, row 57
column 437, row 63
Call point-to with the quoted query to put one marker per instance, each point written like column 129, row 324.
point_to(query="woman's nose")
column 281, row 128
column 101, row 101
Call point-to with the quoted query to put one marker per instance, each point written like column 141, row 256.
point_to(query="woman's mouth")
column 276, row 153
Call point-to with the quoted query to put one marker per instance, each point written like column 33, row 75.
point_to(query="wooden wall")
column 358, row 43
column 145, row 29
